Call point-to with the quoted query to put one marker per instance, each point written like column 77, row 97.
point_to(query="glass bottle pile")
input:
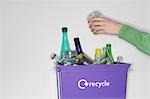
column 79, row 57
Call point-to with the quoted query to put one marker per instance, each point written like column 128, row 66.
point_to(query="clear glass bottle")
column 69, row 58
column 119, row 59
column 94, row 14
column 56, row 59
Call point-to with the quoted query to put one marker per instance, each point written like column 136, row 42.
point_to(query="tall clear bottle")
column 65, row 47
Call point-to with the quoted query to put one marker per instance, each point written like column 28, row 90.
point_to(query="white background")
column 30, row 30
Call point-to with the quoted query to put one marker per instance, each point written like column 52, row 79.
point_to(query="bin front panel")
column 95, row 82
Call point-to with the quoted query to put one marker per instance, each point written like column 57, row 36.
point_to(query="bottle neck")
column 109, row 50
column 78, row 47
column 65, row 36
column 66, row 46
column 109, row 54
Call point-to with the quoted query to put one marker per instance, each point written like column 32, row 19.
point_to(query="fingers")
column 96, row 24
column 99, row 32
column 97, row 29
column 96, row 19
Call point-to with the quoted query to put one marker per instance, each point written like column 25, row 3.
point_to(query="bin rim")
column 93, row 67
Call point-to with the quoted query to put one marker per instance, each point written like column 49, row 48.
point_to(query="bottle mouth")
column 64, row 29
column 108, row 45
column 76, row 39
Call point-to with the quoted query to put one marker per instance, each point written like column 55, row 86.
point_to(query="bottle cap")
column 64, row 29
column 119, row 58
column 76, row 39
column 53, row 55
column 108, row 45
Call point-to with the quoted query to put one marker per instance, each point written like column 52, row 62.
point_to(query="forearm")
column 140, row 40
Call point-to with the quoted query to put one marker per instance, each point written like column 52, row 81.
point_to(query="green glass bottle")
column 109, row 53
column 65, row 47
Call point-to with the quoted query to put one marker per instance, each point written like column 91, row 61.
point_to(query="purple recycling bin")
column 92, row 81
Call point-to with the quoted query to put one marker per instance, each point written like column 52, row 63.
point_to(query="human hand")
column 103, row 25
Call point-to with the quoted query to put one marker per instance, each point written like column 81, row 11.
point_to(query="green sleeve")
column 139, row 39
